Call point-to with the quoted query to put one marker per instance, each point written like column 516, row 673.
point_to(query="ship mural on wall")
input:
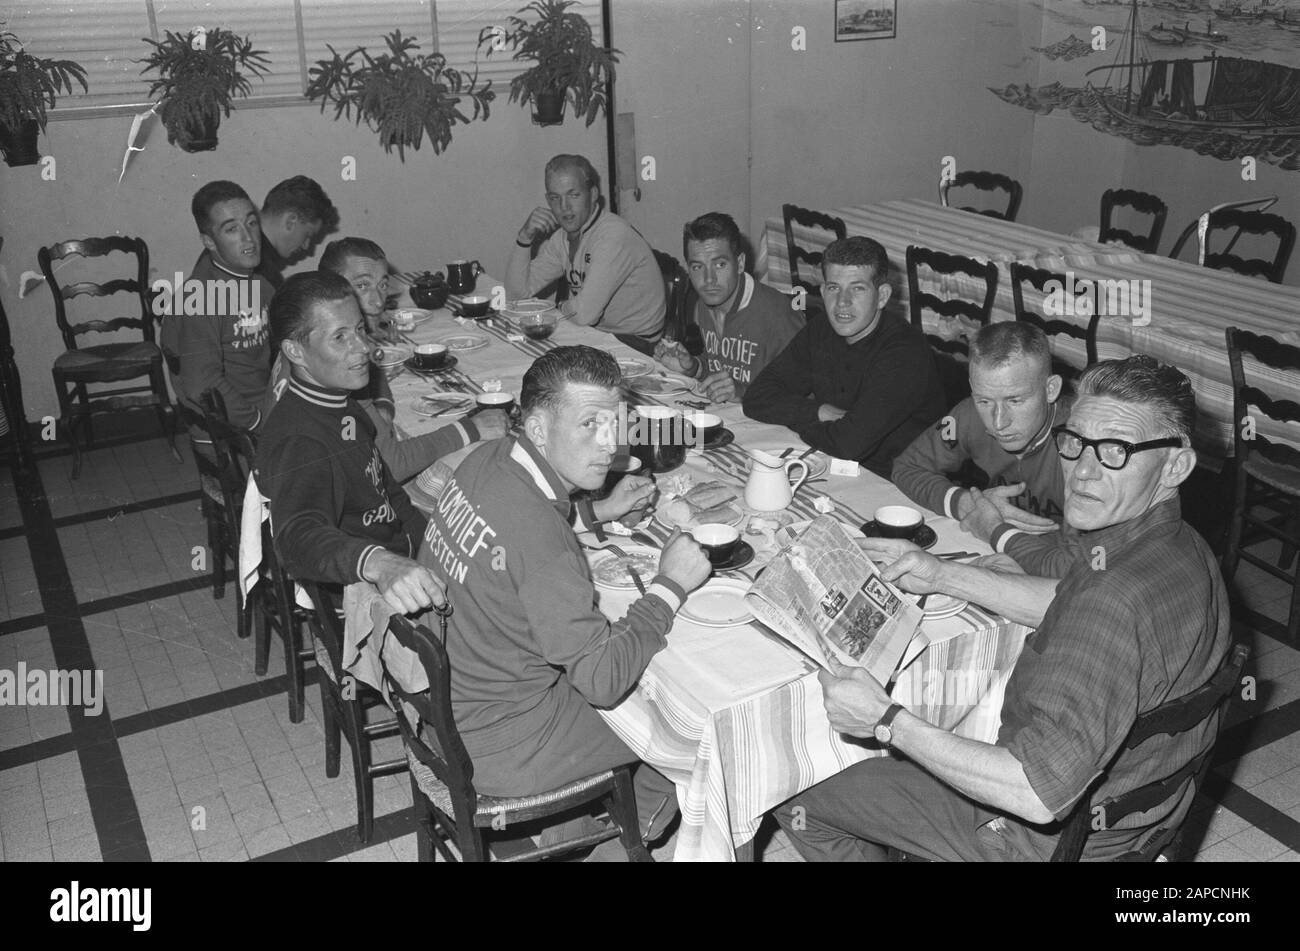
column 1222, row 79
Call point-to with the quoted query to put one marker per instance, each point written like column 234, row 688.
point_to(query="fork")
column 636, row 578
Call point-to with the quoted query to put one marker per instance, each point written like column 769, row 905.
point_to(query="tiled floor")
column 194, row 758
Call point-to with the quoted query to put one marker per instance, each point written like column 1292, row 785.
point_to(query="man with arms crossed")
column 614, row 281
column 744, row 324
column 1004, row 427
column 859, row 384
column 1140, row 617
column 531, row 654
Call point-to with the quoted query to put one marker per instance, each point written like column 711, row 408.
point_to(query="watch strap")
column 894, row 710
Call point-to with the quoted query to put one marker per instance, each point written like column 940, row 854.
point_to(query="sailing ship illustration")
column 1217, row 104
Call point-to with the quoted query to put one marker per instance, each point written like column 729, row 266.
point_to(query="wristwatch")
column 883, row 732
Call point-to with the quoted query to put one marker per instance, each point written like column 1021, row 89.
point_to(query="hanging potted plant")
column 568, row 63
column 29, row 86
column 401, row 94
column 200, row 75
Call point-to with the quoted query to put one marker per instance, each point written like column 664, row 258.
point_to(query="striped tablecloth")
column 1190, row 305
column 734, row 752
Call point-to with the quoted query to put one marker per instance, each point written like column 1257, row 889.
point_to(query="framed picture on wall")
column 865, row 20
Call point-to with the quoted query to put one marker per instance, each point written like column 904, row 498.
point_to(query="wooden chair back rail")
column 1170, row 718
column 988, row 182
column 1039, row 278
column 807, row 218
column 93, row 247
column 1142, row 203
column 443, row 752
column 1250, row 222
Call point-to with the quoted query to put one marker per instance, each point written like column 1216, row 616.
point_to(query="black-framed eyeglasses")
column 1111, row 453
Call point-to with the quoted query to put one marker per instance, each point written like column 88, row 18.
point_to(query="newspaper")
column 824, row 596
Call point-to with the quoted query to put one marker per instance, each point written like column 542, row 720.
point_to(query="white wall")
column 467, row 202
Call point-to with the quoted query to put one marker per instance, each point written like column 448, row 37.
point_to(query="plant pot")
column 197, row 136
column 548, row 108
column 20, row 147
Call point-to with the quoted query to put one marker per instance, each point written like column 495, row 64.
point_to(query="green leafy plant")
column 401, row 94
column 28, row 86
column 200, row 75
column 569, row 64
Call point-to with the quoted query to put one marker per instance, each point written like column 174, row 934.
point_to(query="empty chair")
column 974, row 308
column 792, row 215
column 345, row 710
column 1023, row 275
column 79, row 366
column 1227, row 225
column 449, row 809
column 1170, row 718
column 1267, row 470
column 1140, row 203
column 990, row 183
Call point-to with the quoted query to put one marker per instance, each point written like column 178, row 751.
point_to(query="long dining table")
column 1190, row 306
column 734, row 716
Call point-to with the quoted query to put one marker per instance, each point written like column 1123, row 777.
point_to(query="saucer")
column 742, row 556
column 925, row 536
column 464, row 342
column 447, row 364
column 443, row 405
column 391, row 354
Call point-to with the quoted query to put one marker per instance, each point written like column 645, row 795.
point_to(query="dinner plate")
column 418, row 315
column 658, row 385
column 443, row 405
column 391, row 355
column 464, row 342
column 719, row 603
column 939, row 606
column 600, row 560
column 633, row 368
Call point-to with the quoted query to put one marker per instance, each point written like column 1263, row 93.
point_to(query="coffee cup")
column 898, row 521
column 707, row 427
column 501, row 401
column 718, row 541
column 429, row 356
column 475, row 307
column 461, row 275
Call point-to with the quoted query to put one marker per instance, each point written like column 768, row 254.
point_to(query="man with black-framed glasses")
column 1130, row 611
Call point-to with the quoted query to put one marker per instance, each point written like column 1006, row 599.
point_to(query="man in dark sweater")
column 743, row 324
column 220, row 340
column 860, row 384
column 337, row 513
column 1005, row 428
column 363, row 264
column 295, row 216
column 531, row 654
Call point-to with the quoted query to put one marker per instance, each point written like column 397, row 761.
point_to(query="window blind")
column 105, row 36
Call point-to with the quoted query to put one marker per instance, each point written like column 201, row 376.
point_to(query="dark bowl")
column 429, row 296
